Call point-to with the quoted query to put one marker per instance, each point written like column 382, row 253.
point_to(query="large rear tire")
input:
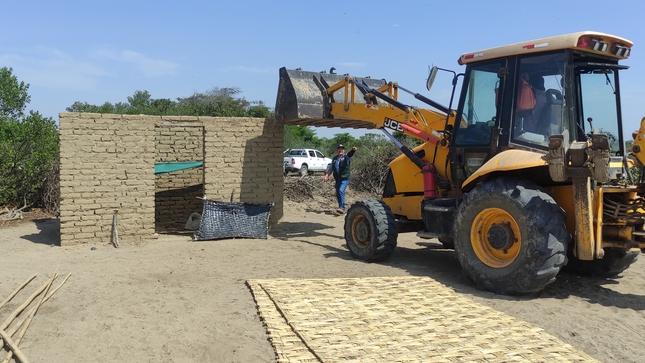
column 510, row 236
column 612, row 264
column 370, row 230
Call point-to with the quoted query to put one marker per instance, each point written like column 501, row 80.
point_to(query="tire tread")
column 385, row 230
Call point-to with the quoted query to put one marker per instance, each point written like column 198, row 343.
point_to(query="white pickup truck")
column 305, row 161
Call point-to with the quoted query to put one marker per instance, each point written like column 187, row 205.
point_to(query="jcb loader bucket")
column 303, row 99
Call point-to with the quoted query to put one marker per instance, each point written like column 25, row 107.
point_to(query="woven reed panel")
column 395, row 319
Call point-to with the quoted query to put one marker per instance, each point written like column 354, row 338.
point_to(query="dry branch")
column 50, row 194
column 301, row 189
column 11, row 214
column 14, row 213
column 115, row 231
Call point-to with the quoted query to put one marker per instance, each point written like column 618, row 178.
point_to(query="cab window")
column 598, row 105
column 480, row 110
column 538, row 111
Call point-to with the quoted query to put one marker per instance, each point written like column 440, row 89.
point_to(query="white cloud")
column 52, row 68
column 56, row 69
column 148, row 66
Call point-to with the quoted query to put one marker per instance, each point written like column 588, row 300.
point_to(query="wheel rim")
column 495, row 237
column 361, row 234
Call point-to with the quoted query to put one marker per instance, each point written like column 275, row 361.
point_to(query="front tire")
column 370, row 230
column 613, row 263
column 510, row 236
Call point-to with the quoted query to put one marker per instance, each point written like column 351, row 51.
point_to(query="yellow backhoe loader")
column 526, row 176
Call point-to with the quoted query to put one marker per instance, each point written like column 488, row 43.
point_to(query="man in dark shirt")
column 340, row 168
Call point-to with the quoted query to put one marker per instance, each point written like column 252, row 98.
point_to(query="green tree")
column 344, row 138
column 260, row 110
column 13, row 95
column 216, row 102
column 140, row 100
column 163, row 106
column 221, row 102
column 300, row 136
column 82, row 107
column 28, row 144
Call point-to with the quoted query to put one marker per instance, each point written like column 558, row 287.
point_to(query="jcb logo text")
column 393, row 124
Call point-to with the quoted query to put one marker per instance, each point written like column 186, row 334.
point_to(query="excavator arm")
column 332, row 100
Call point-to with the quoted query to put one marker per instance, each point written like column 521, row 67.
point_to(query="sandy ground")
column 175, row 300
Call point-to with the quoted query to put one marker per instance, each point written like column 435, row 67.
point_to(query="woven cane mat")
column 395, row 319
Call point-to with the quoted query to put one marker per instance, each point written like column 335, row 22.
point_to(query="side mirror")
column 431, row 77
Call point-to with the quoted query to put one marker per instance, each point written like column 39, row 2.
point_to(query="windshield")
column 598, row 108
column 479, row 114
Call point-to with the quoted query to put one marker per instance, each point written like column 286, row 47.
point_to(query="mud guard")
column 505, row 161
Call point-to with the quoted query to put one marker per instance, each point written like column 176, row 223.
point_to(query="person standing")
column 339, row 167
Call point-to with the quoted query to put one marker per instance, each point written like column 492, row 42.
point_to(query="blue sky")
column 104, row 51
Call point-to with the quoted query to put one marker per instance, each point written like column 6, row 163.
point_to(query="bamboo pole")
column 17, row 326
column 17, row 290
column 13, row 346
column 25, row 304
column 31, row 314
column 25, row 321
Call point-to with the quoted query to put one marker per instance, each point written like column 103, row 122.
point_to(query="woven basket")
column 229, row 220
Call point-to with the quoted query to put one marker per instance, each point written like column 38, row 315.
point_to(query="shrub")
column 28, row 151
column 371, row 165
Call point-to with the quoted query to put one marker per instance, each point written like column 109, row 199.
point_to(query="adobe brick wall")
column 243, row 162
column 107, row 164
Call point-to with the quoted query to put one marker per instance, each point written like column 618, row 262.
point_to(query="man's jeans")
column 340, row 186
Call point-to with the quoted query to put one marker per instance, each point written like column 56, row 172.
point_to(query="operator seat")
column 551, row 119
column 524, row 105
column 537, row 84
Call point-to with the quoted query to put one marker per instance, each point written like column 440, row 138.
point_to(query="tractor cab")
column 516, row 97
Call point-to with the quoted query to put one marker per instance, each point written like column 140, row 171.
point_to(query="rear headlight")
column 598, row 45
column 592, row 43
column 293, row 161
column 620, row 50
